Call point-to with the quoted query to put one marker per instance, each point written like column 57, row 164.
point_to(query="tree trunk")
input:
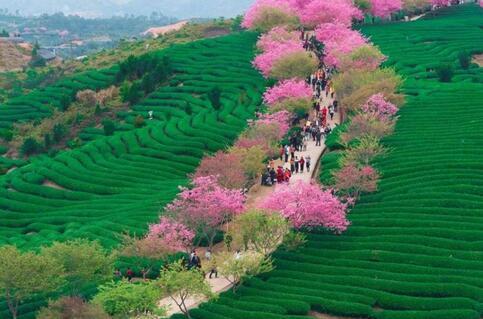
column 11, row 306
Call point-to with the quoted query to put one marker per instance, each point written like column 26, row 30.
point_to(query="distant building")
column 46, row 54
column 159, row 31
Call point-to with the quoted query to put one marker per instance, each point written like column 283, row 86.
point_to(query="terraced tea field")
column 415, row 248
column 119, row 183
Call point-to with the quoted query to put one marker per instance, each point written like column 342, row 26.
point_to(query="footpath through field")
column 258, row 193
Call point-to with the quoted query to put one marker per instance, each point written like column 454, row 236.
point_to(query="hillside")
column 73, row 195
column 12, row 57
column 414, row 249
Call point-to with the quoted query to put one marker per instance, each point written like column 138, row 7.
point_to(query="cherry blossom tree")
column 281, row 119
column 274, row 37
column 307, row 205
column 378, row 105
column 206, row 206
column 328, row 11
column 298, row 64
column 288, row 89
column 173, row 234
column 481, row 3
column 263, row 15
column 338, row 41
column 354, row 180
column 265, row 61
column 440, row 3
column 366, row 57
column 226, row 167
column 367, row 124
column 384, row 8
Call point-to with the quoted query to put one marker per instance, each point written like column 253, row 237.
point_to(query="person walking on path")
column 292, row 165
column 318, row 138
column 288, row 174
column 296, row 164
column 307, row 162
column 302, row 164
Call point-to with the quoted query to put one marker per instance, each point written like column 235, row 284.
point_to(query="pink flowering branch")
column 307, row 205
column 288, row 89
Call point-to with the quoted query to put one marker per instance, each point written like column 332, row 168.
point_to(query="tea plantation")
column 119, row 183
column 415, row 248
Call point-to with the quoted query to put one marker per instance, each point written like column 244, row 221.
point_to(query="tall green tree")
column 127, row 300
column 84, row 262
column 214, row 95
column 179, row 284
column 23, row 275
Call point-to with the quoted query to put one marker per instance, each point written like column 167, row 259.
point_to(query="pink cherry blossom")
column 276, row 36
column 355, row 180
column 307, row 205
column 254, row 11
column 265, row 61
column 379, row 106
column 384, row 8
column 338, row 40
column 440, row 3
column 329, row 11
column 281, row 119
column 206, row 206
column 288, row 89
column 174, row 235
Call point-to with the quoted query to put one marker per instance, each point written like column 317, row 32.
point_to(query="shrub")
column 139, row 121
column 30, row 146
column 109, row 127
column 464, row 59
column 445, row 72
column 214, row 95
column 58, row 132
column 294, row 240
column 87, row 98
column 72, row 308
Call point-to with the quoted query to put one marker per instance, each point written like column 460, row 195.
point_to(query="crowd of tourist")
column 293, row 157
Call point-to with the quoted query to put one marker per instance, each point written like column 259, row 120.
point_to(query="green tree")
column 126, row 300
column 131, row 93
column 259, row 230
column 109, row 127
column 237, row 269
column 445, row 72
column 58, row 132
column 295, row 65
column 84, row 262
column 72, row 308
column 139, row 121
column 464, row 59
column 179, row 284
column 236, row 23
column 30, row 146
column 214, row 95
column 23, row 275
column 47, row 141
column 4, row 34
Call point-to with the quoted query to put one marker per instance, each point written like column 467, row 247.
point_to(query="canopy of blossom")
column 384, row 8
column 288, row 89
column 174, row 235
column 206, row 203
column 338, row 40
column 307, row 205
column 276, row 36
column 253, row 13
column 378, row 106
column 316, row 12
column 281, row 119
column 265, row 61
